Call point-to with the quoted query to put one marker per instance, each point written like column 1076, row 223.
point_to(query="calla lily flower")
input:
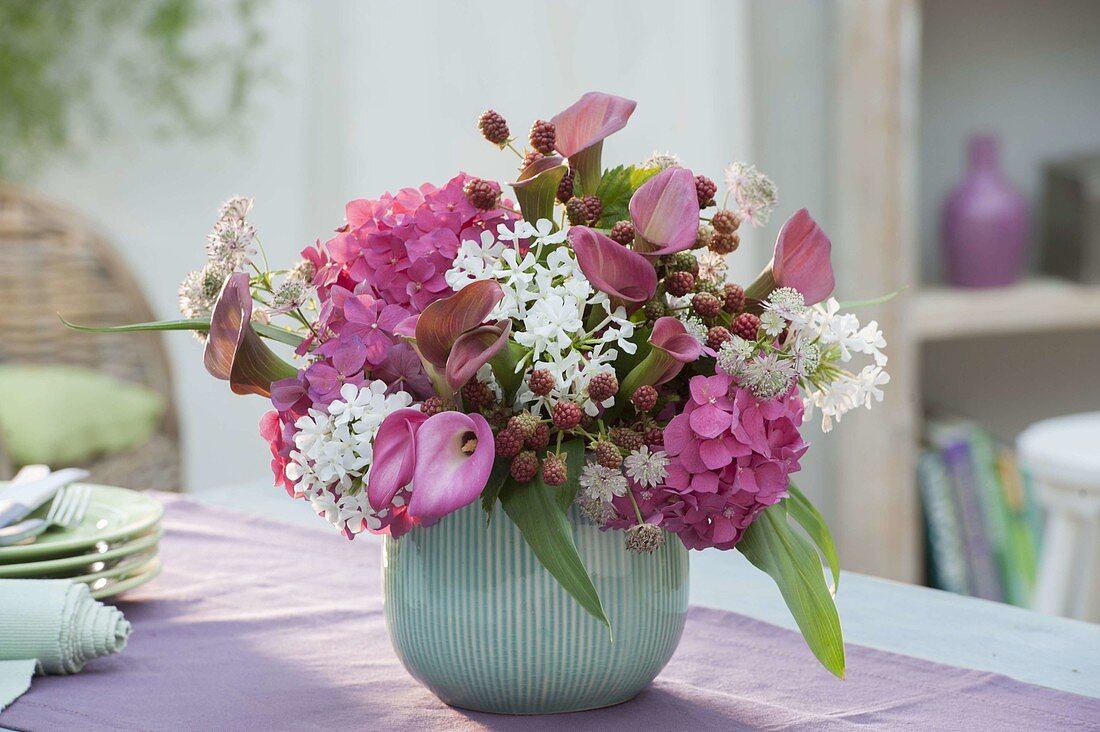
column 801, row 260
column 537, row 186
column 447, row 458
column 580, row 131
column 665, row 213
column 234, row 351
column 671, row 346
column 473, row 349
column 443, row 321
column 625, row 276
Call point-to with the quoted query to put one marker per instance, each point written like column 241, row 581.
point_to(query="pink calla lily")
column 473, row 349
column 580, row 131
column 234, row 351
column 625, row 276
column 671, row 346
column 443, row 321
column 537, row 186
column 665, row 213
column 801, row 260
column 446, row 457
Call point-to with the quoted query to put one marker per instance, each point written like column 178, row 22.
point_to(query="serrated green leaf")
column 491, row 492
column 813, row 523
column 270, row 332
column 775, row 547
column 536, row 509
column 615, row 190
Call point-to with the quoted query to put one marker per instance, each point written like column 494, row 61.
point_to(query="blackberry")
column 542, row 136
column 705, row 189
column 603, row 386
column 532, row 156
column 679, row 284
column 565, row 188
column 541, row 382
column 525, row 467
column 704, row 238
column 566, row 415
column 706, row 305
column 725, row 221
column 655, row 438
column 482, row 194
column 716, row 336
column 655, row 309
column 745, row 325
column 593, row 208
column 434, row 405
column 539, row 438
column 509, row 442
column 725, row 243
column 623, row 232
column 493, row 127
column 683, row 262
column 608, row 455
column 625, row 438
column 554, row 470
column 525, row 422
column 733, row 298
column 477, row 394
column 644, row 398
column 576, row 212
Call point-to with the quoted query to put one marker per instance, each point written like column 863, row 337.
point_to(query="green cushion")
column 61, row 415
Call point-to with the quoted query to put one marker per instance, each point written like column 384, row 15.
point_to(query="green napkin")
column 52, row 627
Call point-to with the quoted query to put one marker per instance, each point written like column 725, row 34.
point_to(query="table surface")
column 915, row 621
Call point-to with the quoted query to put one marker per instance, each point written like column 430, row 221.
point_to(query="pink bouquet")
column 575, row 338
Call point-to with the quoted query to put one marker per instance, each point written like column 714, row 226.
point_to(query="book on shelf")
column 980, row 519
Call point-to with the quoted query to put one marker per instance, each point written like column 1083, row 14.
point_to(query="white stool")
column 1063, row 457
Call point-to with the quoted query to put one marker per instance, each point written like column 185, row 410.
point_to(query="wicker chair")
column 52, row 262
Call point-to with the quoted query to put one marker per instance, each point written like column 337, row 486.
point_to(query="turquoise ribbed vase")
column 475, row 617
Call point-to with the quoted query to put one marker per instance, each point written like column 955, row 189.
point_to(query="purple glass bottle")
column 985, row 225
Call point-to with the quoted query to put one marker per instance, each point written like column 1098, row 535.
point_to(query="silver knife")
column 20, row 499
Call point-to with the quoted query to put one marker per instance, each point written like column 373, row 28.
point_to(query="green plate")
column 79, row 563
column 118, row 569
column 113, row 514
column 102, row 588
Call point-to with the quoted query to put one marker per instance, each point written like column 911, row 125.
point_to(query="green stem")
column 633, row 502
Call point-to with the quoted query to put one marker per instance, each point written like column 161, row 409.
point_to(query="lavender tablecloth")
column 255, row 624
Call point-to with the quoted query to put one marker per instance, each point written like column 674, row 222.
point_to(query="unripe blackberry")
column 608, row 455
column 541, row 382
column 679, row 284
column 733, row 298
column 477, row 395
column 497, row 416
column 525, row 467
column 623, row 232
column 655, row 438
column 745, row 325
column 483, row 194
column 725, row 221
column 655, row 309
column 531, row 156
column 682, row 262
column 706, row 305
column 644, row 398
column 525, row 422
column 539, row 438
column 565, row 188
column 493, row 127
column 705, row 189
column 542, row 136
column 509, row 442
column 725, row 243
column 566, row 415
column 716, row 336
column 704, row 238
column 434, row 405
column 554, row 470
column 625, row 438
column 644, row 538
column 709, row 286
column 576, row 212
column 594, row 209
column 603, row 386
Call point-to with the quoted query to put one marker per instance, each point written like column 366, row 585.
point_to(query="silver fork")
column 67, row 509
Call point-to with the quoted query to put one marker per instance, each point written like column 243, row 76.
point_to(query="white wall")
column 376, row 96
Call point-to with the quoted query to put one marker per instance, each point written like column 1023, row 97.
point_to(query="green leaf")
column 775, row 547
column 504, row 368
column 492, row 488
column 536, row 509
column 566, row 493
column 615, row 189
column 270, row 332
column 813, row 523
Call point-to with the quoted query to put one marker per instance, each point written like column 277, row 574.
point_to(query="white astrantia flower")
column 695, row 327
column 772, row 323
column 662, row 161
column 754, row 192
column 647, row 468
column 712, row 266
column 767, row 376
column 334, row 449
column 788, row 303
column 231, row 242
column 601, row 483
column 235, row 209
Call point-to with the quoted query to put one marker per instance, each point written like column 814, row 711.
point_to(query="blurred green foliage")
column 73, row 69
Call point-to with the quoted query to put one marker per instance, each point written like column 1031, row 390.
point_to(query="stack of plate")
column 112, row 550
